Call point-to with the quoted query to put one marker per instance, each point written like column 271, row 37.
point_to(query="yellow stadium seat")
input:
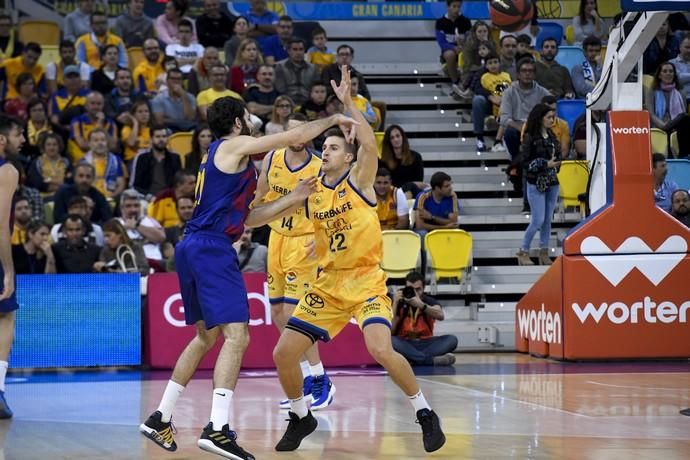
column 49, row 53
column 572, row 179
column 401, row 250
column 39, row 31
column 181, row 143
column 675, row 148
column 379, row 141
column 135, row 55
column 570, row 34
column 449, row 257
column 659, row 141
column 48, row 208
column 647, row 81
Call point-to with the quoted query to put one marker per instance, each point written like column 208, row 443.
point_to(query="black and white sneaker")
column 433, row 436
column 159, row 432
column 297, row 430
column 223, row 443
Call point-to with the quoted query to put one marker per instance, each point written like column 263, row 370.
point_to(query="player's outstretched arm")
column 8, row 184
column 263, row 213
column 364, row 171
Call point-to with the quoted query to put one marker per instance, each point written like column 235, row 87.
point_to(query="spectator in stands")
column 552, row 75
column 35, row 256
column 55, row 71
column 261, row 96
column 262, row 22
column 10, row 46
column 103, row 78
column 282, row 108
column 507, row 50
column 89, row 45
column 11, row 68
column 84, row 175
column 136, row 134
column 413, row 326
column 251, row 256
column 22, row 218
column 587, row 74
column 93, row 118
column 363, row 104
column 18, row 107
column 29, row 193
column 295, row 76
column 319, row 54
column 218, row 89
column 141, row 228
column 37, row 124
column 240, row 33
column 472, row 60
column 682, row 64
column 405, row 165
column 524, row 49
column 80, row 205
column 119, row 102
column 344, row 56
column 111, row 173
column 214, row 27
column 154, row 171
column 437, row 207
column 667, row 106
column 392, row 208
column 517, row 102
column 541, row 157
column 493, row 82
column 274, row 47
column 247, row 63
column 199, row 78
column 166, row 23
column 69, row 101
column 184, row 50
column 147, row 71
column 450, row 36
column 680, row 206
column 663, row 47
column 49, row 171
column 162, row 209
column 74, row 254
column 133, row 25
column 315, row 107
column 78, row 22
column 174, row 233
column 174, row 107
column 477, row 67
column 588, row 23
column 201, row 139
column 559, row 128
column 115, row 256
column 663, row 188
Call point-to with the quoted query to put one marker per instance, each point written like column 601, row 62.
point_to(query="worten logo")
column 631, row 254
column 642, row 311
column 540, row 326
column 631, row 130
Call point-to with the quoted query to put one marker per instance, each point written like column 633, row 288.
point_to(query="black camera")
column 408, row 292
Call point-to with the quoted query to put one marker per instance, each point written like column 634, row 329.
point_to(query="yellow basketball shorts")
column 337, row 297
column 290, row 271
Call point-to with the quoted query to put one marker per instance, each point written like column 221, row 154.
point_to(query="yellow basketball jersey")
column 348, row 234
column 281, row 181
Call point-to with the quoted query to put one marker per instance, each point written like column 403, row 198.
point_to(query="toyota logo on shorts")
column 314, row 301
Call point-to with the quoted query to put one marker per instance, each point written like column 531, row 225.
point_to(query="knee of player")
column 381, row 352
column 238, row 339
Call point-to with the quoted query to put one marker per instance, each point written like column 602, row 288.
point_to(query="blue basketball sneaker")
column 5, row 411
column 322, row 391
column 306, row 389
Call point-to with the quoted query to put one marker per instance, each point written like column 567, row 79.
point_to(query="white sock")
column 299, row 407
column 3, row 373
column 306, row 372
column 172, row 392
column 317, row 369
column 220, row 409
column 419, row 402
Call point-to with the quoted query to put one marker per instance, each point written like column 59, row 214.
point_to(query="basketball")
column 511, row 15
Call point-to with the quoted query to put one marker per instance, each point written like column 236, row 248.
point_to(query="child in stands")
column 495, row 82
column 319, row 54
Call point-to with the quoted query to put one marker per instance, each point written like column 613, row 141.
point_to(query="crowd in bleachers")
column 101, row 120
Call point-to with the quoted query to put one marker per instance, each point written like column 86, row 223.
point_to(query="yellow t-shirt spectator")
column 11, row 68
column 145, row 75
column 89, row 49
column 143, row 141
column 496, row 83
column 207, row 96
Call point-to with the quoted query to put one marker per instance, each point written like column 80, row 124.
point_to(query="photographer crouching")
column 413, row 326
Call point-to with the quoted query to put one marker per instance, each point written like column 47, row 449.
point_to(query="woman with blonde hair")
column 247, row 62
column 282, row 108
column 120, row 254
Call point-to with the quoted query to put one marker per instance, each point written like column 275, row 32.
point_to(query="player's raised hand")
column 305, row 188
column 343, row 89
column 347, row 125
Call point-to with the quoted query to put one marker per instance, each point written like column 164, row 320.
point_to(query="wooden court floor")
column 493, row 406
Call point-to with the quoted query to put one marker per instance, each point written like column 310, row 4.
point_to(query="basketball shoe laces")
column 317, row 387
column 167, row 433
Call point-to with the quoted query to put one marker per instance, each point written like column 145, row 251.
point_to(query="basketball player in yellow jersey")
column 291, row 268
column 350, row 282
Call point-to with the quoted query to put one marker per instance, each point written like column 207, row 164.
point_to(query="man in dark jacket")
column 344, row 56
column 84, row 174
column 155, row 170
column 74, row 254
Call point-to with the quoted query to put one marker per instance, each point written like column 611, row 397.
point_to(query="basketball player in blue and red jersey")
column 213, row 291
column 11, row 140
